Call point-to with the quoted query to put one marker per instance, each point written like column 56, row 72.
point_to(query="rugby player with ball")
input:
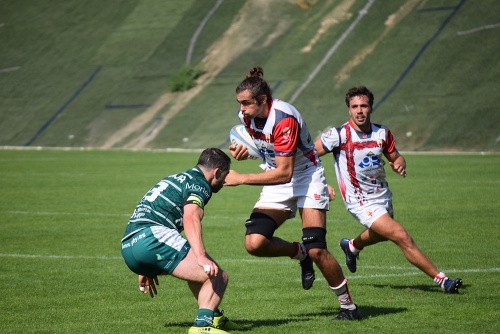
column 293, row 179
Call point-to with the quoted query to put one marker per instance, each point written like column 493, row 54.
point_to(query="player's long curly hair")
column 255, row 83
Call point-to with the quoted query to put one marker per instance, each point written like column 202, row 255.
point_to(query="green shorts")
column 154, row 250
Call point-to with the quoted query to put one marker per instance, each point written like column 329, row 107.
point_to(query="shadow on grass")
column 374, row 311
column 410, row 288
column 366, row 312
column 247, row 325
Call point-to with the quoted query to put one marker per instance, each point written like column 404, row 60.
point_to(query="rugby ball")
column 240, row 136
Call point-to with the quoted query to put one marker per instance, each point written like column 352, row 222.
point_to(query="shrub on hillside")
column 184, row 78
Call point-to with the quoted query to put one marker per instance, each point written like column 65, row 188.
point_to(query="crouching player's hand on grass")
column 147, row 284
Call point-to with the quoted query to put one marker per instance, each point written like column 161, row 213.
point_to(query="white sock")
column 440, row 279
column 343, row 295
column 353, row 249
column 300, row 251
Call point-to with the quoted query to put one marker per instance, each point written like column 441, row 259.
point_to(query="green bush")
column 184, row 78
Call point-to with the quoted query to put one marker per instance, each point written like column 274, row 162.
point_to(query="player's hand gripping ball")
column 240, row 136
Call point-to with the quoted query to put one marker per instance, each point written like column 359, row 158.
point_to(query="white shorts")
column 371, row 211
column 307, row 189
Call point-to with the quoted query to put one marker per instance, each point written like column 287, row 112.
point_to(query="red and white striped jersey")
column 359, row 163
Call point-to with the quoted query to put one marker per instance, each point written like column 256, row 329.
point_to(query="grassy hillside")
column 95, row 73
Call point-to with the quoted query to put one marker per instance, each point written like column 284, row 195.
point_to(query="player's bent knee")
column 225, row 278
column 317, row 254
column 260, row 223
column 255, row 244
column 219, row 282
column 251, row 247
column 406, row 242
column 314, row 238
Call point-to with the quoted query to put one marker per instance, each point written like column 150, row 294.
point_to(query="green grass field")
column 63, row 214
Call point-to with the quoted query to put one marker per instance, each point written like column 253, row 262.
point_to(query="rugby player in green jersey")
column 153, row 245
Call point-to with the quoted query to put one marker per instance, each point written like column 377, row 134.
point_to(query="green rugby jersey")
column 164, row 203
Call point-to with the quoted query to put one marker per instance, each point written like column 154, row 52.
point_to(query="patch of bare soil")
column 234, row 42
column 334, row 17
column 390, row 23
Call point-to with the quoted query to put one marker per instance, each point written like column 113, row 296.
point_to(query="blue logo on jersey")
column 371, row 160
column 264, row 151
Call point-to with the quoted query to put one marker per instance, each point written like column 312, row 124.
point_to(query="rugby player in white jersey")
column 293, row 178
column 358, row 147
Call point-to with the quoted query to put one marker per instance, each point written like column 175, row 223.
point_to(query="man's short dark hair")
column 212, row 158
column 359, row 91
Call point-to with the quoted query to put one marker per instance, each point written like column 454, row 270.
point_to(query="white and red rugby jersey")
column 359, row 163
column 282, row 133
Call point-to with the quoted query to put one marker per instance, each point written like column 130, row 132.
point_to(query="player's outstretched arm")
column 279, row 175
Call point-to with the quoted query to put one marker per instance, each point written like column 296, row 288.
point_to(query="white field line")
column 200, row 29
column 410, row 271
column 199, row 150
column 65, row 257
column 101, row 214
column 471, row 31
column 68, row 213
column 10, row 69
column 332, row 50
column 91, row 148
